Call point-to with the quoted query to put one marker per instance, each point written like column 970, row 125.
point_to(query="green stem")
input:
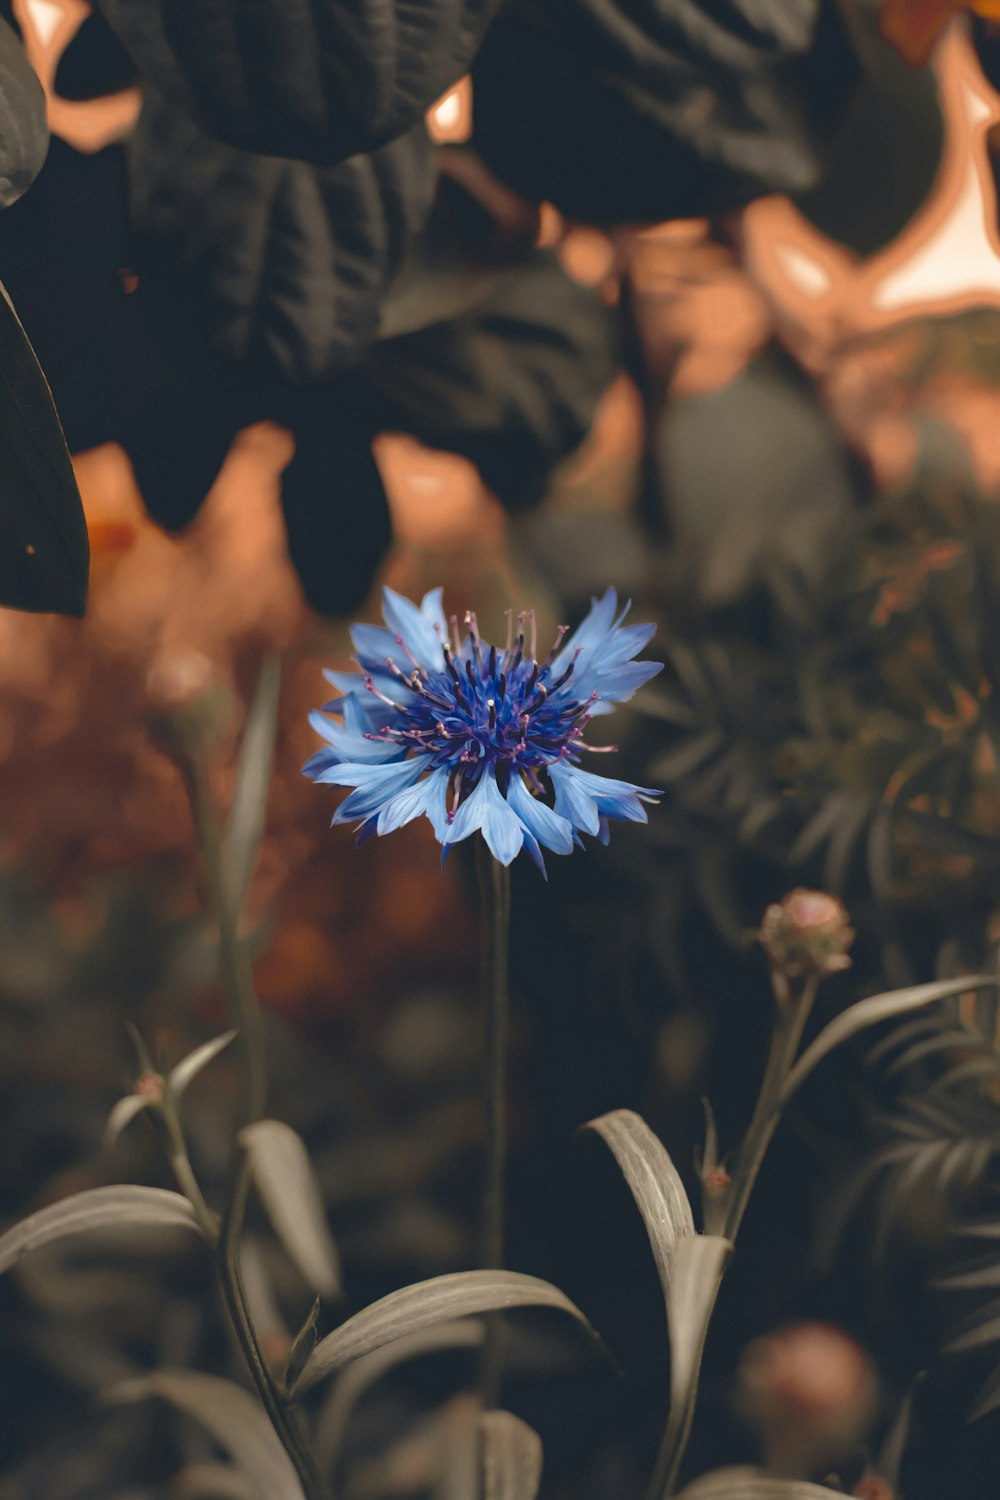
column 494, row 890
column 237, row 976
column 724, row 1215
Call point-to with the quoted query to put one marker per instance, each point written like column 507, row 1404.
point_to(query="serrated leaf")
column 189, row 1067
column 364, row 1372
column 248, row 816
column 233, row 1417
column 284, row 1177
column 425, row 1304
column 868, row 1013
column 95, row 1208
column 654, row 1182
column 511, row 1457
column 750, row 1484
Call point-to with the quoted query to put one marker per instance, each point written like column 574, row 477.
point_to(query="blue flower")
column 467, row 734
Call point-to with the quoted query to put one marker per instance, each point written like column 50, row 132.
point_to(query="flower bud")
column 190, row 706
column 807, row 935
column 873, row 1488
column 811, row 1393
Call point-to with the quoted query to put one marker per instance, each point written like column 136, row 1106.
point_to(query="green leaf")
column 44, row 552
column 93, row 1209
column 512, row 1457
column 750, row 1484
column 697, row 1266
column 868, row 1013
column 284, row 1177
column 425, row 1304
column 253, row 777
column 233, row 1417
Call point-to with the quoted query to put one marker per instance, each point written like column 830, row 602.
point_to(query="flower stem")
column 494, row 890
column 723, row 1215
column 237, row 976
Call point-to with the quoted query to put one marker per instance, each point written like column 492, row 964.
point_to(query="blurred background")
column 707, row 309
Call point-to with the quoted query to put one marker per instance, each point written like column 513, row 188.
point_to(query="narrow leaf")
column 44, row 552
column 363, row 1373
column 425, row 1304
column 253, row 777
column 654, row 1180
column 750, row 1484
column 95, row 1208
column 697, row 1264
column 189, row 1067
column 302, row 1346
column 233, row 1417
column 287, row 1185
column 988, row 1399
column 512, row 1457
column 125, row 1110
column 869, row 1012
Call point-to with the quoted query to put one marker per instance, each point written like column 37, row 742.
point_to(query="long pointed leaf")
column 697, row 1265
column 287, row 1185
column 44, row 552
column 363, row 1373
column 654, row 1180
column 233, row 1417
column 253, row 777
column 869, row 1012
column 425, row 1304
column 512, row 1457
column 189, row 1067
column 95, row 1208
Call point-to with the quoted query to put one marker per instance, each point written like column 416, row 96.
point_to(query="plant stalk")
column 237, row 976
column 494, row 890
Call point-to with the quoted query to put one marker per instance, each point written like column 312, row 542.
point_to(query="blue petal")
column 538, row 818
column 405, row 806
column 573, row 802
column 591, row 631
column 375, row 784
column 375, row 645
column 417, row 630
column 486, row 809
column 351, row 746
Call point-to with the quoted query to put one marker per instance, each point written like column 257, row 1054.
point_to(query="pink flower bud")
column 149, row 1086
column 811, row 1393
column 807, row 934
column 190, row 706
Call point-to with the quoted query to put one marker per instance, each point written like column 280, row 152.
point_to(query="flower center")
column 482, row 707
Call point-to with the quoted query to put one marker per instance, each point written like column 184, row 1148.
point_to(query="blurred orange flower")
column 913, row 26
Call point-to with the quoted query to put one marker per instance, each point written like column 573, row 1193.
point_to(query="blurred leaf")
column 248, row 816
column 24, row 131
column 512, row 385
column 364, row 1372
column 655, row 1183
column 512, row 1457
column 414, row 1308
column 210, row 1481
column 123, row 1112
column 884, row 147
column 44, row 551
column 189, row 1067
column 868, row 1013
column 750, row 1484
column 284, row 1177
column 95, row 1208
column 302, row 1346
column 233, row 1417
